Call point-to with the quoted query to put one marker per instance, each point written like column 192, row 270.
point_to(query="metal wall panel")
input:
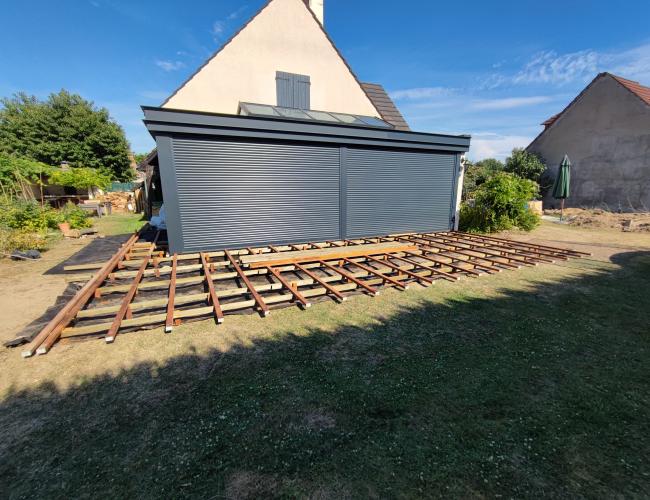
column 234, row 194
column 398, row 191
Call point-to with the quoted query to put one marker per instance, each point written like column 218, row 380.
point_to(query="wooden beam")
column 500, row 250
column 212, row 296
column 421, row 279
column 293, row 289
column 169, row 321
column 451, row 265
column 126, row 301
column 429, row 244
column 322, row 282
column 52, row 331
column 255, row 261
column 256, row 296
column 350, row 277
column 444, row 275
column 484, row 251
column 537, row 245
column 387, row 279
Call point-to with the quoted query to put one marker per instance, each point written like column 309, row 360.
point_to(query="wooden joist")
column 171, row 296
column 264, row 310
column 322, row 282
column 372, row 270
column 212, row 296
column 417, row 277
column 292, row 288
column 350, row 277
column 315, row 255
column 523, row 244
column 52, row 331
column 126, row 301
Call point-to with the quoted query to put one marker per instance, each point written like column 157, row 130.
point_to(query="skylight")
column 268, row 111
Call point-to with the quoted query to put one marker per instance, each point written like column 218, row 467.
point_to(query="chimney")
column 317, row 8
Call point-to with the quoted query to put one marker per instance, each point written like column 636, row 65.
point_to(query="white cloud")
column 549, row 67
column 490, row 145
column 234, row 15
column 220, row 26
column 217, row 30
column 170, row 65
column 633, row 63
column 420, row 93
column 510, row 102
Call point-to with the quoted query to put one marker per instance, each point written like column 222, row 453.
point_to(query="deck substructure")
column 142, row 286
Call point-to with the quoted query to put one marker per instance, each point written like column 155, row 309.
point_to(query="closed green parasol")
column 562, row 185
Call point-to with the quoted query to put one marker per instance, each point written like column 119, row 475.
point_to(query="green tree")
column 477, row 173
column 500, row 203
column 17, row 175
column 65, row 127
column 139, row 157
column 525, row 165
column 80, row 178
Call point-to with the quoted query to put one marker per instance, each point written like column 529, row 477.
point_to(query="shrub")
column 525, row 165
column 28, row 215
column 25, row 240
column 500, row 203
column 75, row 216
column 477, row 173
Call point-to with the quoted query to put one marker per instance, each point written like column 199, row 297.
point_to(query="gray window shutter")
column 292, row 90
column 284, row 89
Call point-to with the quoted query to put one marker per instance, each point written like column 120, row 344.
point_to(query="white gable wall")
column 283, row 37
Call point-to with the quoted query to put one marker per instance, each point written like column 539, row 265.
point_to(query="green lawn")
column 525, row 384
column 118, row 223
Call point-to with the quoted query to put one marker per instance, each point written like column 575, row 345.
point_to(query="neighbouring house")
column 275, row 140
column 605, row 131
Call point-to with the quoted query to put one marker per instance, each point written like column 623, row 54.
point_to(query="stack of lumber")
column 119, row 200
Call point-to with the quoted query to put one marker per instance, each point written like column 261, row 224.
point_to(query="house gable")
column 284, row 36
column 606, row 133
column 616, row 86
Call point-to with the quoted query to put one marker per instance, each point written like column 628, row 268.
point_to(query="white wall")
column 283, row 37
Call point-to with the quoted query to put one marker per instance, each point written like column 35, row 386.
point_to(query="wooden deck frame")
column 213, row 300
column 171, row 296
column 126, row 302
column 500, row 248
column 417, row 277
column 524, row 245
column 432, row 244
column 350, row 277
column 444, row 251
column 487, row 252
column 293, row 289
column 419, row 257
column 321, row 282
column 46, row 338
column 264, row 310
column 372, row 270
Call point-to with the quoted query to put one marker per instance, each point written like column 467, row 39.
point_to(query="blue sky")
column 491, row 69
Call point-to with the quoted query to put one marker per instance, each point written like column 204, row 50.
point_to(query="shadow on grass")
column 533, row 393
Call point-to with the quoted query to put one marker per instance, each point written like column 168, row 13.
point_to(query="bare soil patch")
column 598, row 218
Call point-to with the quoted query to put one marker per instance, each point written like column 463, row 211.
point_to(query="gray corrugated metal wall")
column 398, row 191
column 234, row 194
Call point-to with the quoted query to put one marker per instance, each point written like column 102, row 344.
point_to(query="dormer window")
column 292, row 90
